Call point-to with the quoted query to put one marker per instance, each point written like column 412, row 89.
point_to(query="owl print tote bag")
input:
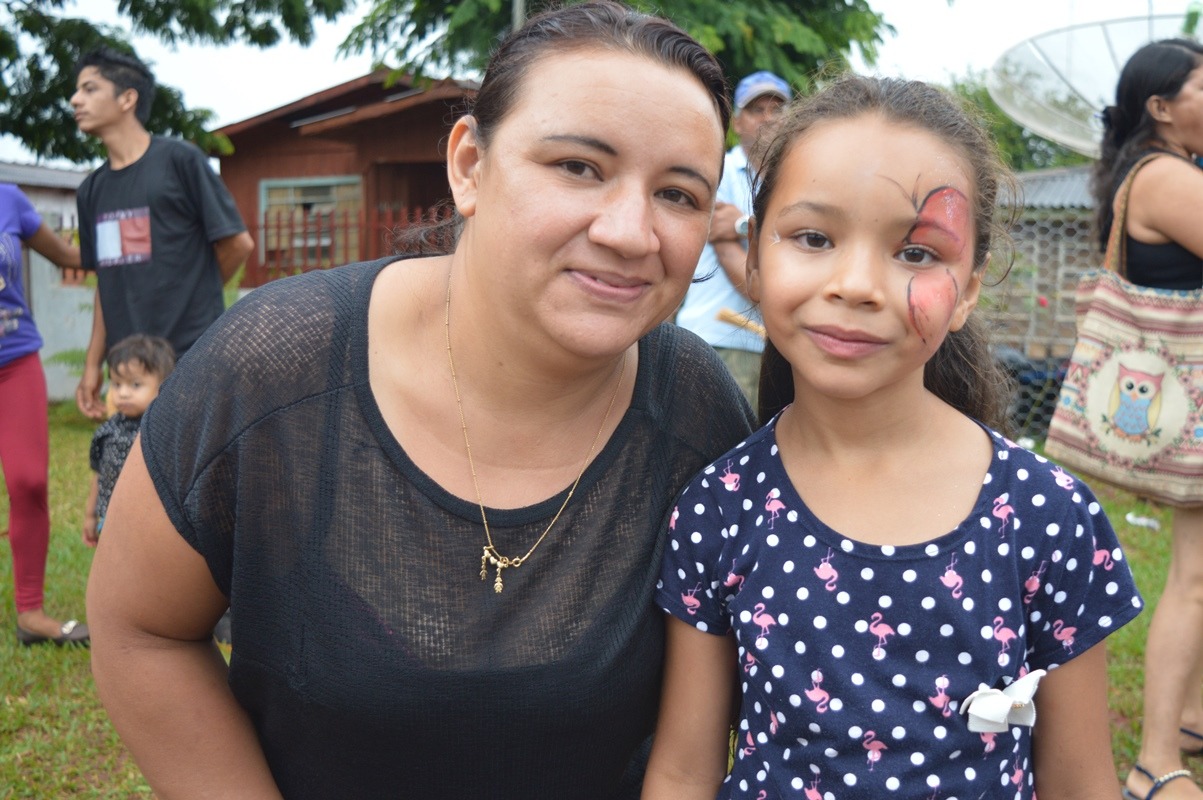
column 1129, row 409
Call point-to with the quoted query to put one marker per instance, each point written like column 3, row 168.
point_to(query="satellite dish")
column 1055, row 84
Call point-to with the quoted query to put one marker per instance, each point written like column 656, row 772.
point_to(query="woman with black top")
column 429, row 489
column 1159, row 109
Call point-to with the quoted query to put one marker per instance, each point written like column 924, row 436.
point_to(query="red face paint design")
column 942, row 222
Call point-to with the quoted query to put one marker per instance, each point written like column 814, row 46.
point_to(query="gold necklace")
column 490, row 555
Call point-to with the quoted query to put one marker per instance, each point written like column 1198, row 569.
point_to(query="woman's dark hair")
column 1156, row 70
column 126, row 71
column 963, row 372
column 153, row 353
column 602, row 25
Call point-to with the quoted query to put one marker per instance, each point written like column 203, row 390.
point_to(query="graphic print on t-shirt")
column 10, row 263
column 123, row 237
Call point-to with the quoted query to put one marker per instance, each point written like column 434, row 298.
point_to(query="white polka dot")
column 838, row 651
column 892, row 784
column 898, row 680
column 778, row 670
column 928, row 603
column 783, row 619
column 985, row 523
column 1059, row 597
column 909, row 575
column 917, row 759
column 885, row 601
column 761, row 643
column 700, row 567
column 849, row 779
column 919, row 707
column 703, row 627
column 887, row 549
column 878, row 705
column 855, row 732
column 795, row 700
column 970, row 548
column 986, row 632
column 843, row 598
column 987, row 576
column 1038, row 500
column 847, row 546
column 967, row 604
column 676, row 545
column 767, row 592
column 904, row 629
column 1111, row 588
column 791, row 515
column 1057, row 556
column 922, row 656
column 1052, row 529
column 931, row 550
column 947, row 629
column 803, row 593
column 787, row 567
column 797, row 784
column 799, row 647
column 866, row 574
column 970, row 773
column 940, row 732
column 1004, row 604
column 836, row 704
column 1094, row 507
column 771, row 540
column 933, row 781
column 857, row 679
column 820, row 622
column 699, row 509
column 1105, row 622
column 768, row 689
column 695, row 537
column 1028, row 553
column 747, row 504
column 681, row 573
column 809, row 540
column 760, row 478
column 1003, row 549
column 965, row 658
column 1071, row 564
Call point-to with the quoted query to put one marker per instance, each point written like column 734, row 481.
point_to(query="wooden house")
column 328, row 179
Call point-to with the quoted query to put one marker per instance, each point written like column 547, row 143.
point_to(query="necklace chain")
column 490, row 556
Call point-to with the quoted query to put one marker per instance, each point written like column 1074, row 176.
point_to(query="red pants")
column 25, row 456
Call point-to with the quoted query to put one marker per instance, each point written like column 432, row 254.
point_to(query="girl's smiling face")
column 864, row 261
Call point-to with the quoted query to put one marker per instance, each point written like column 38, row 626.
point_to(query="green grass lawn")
column 55, row 740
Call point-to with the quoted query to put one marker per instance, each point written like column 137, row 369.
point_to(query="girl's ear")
column 969, row 296
column 463, row 164
column 752, row 265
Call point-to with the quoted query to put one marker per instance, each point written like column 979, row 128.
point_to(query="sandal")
column 1157, row 782
column 1193, row 751
column 71, row 632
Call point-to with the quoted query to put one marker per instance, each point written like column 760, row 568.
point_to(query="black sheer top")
column 371, row 658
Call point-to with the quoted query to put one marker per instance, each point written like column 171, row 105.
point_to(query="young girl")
column 876, row 554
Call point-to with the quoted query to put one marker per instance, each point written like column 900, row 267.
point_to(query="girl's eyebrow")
column 598, row 144
column 814, row 206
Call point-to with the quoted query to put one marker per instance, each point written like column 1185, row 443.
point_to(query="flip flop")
column 71, row 632
column 1194, row 751
column 1157, row 782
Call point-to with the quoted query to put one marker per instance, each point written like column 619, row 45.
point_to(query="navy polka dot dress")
column 855, row 659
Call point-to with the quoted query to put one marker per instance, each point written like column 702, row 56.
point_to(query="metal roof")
column 1059, row 187
column 42, row 177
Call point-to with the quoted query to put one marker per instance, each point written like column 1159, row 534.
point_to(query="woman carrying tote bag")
column 1158, row 205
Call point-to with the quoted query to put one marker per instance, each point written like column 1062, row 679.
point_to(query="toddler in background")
column 885, row 577
column 138, row 365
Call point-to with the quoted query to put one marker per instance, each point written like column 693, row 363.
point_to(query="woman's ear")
column 463, row 164
column 752, row 264
column 1158, row 109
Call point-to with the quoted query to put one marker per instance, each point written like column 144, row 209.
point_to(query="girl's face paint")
column 864, row 260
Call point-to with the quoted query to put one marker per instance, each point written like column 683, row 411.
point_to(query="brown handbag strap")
column 1116, row 257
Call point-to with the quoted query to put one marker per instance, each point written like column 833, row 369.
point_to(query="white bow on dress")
column 996, row 710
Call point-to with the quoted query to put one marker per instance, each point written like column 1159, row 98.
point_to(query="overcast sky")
column 935, row 40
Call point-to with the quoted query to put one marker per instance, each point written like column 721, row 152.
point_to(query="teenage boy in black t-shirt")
column 155, row 222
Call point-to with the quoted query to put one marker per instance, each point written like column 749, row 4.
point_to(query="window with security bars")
column 310, row 223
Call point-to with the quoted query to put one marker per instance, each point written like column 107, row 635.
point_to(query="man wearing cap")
column 711, row 304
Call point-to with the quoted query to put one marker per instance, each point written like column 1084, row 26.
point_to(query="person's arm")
column 1071, row 743
column 231, row 253
column 152, row 605
column 90, row 519
column 52, row 246
column 689, row 752
column 87, row 393
column 733, row 259
column 722, row 223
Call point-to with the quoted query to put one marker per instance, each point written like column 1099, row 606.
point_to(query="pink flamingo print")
column 871, row 743
column 816, row 694
column 1017, row 773
column 826, row 572
column 1102, row 557
column 765, row 621
column 1063, row 478
column 749, row 662
column 730, row 479
column 988, row 739
column 672, row 522
column 773, row 505
column 751, row 746
column 734, row 579
column 763, row 795
column 951, row 579
column 812, row 791
column 772, row 722
column 1032, row 584
column 1064, row 634
column 1002, row 511
column 879, row 629
column 692, row 603
column 1003, row 635
column 941, row 700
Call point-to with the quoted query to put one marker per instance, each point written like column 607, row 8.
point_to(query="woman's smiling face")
column 864, row 261
column 590, row 204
